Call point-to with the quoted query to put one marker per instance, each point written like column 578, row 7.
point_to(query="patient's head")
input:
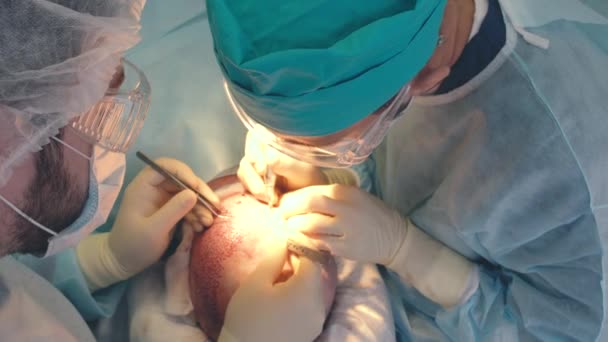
column 229, row 251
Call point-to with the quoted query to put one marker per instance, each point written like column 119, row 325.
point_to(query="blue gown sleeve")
column 63, row 272
column 551, row 292
column 536, row 239
column 540, row 270
column 556, row 297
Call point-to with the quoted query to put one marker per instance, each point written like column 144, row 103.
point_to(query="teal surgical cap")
column 315, row 67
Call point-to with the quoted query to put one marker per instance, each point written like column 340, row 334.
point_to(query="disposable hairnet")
column 56, row 61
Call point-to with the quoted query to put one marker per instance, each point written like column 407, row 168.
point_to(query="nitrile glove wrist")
column 436, row 271
column 97, row 262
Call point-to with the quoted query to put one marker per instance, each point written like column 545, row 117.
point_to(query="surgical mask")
column 106, row 175
column 111, row 127
column 342, row 149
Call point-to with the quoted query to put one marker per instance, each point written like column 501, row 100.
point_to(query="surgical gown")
column 189, row 119
column 32, row 310
column 511, row 170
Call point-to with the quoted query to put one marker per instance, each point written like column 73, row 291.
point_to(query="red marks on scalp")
column 227, row 253
column 210, row 253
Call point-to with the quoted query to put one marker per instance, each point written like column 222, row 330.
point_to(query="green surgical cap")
column 315, row 67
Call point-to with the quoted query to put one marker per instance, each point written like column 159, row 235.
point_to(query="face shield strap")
column 26, row 216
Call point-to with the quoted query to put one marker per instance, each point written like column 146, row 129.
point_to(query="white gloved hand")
column 353, row 224
column 291, row 174
column 149, row 212
column 261, row 310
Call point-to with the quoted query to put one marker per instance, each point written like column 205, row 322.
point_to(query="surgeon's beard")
column 52, row 199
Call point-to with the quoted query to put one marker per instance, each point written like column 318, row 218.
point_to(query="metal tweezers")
column 320, row 257
column 214, row 210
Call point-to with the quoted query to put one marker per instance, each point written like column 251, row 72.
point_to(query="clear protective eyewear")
column 345, row 148
column 116, row 120
column 113, row 123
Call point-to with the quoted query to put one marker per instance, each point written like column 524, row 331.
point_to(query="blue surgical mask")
column 106, row 175
column 105, row 180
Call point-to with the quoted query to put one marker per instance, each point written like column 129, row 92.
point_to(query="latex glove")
column 150, row 209
column 353, row 224
column 291, row 174
column 261, row 310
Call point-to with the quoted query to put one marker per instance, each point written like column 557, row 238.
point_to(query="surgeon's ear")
column 428, row 80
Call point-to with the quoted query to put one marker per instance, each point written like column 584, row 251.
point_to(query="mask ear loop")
column 24, row 215
column 74, row 149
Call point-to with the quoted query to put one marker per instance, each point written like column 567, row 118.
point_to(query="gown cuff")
column 436, row 271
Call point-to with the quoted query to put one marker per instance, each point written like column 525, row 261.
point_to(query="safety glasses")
column 116, row 120
column 345, row 148
column 113, row 123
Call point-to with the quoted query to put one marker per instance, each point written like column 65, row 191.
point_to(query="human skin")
column 455, row 29
column 25, row 173
column 227, row 252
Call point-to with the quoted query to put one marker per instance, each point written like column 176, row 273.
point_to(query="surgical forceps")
column 206, row 203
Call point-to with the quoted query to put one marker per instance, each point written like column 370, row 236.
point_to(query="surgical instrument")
column 270, row 180
column 314, row 255
column 206, row 203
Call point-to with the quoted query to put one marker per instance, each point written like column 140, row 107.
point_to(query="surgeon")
column 69, row 110
column 492, row 174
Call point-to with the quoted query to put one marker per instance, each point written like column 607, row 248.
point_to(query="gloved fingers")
column 296, row 174
column 255, row 153
column 187, row 176
column 305, row 286
column 199, row 185
column 269, row 268
column 193, row 221
column 151, row 177
column 306, row 280
column 312, row 199
column 199, row 217
column 320, row 242
column 174, row 210
column 337, row 246
column 182, row 172
column 281, row 163
column 204, row 189
column 314, row 224
column 252, row 180
column 203, row 214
